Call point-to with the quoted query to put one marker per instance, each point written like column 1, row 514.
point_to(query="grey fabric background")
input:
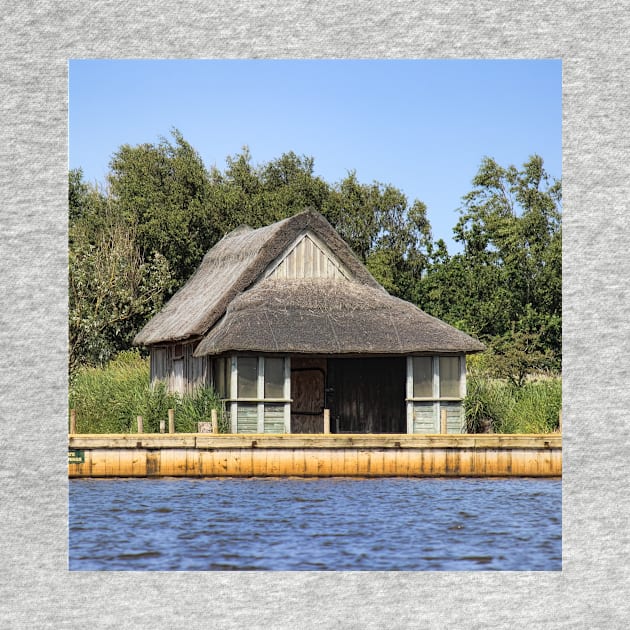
column 37, row 39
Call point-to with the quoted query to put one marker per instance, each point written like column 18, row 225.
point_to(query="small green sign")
column 76, row 457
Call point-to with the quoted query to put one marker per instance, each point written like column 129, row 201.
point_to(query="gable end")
column 308, row 257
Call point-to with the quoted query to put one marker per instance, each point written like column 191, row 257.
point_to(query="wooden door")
column 307, row 395
column 367, row 395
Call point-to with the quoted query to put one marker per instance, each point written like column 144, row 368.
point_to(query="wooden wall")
column 367, row 395
column 426, row 417
column 175, row 365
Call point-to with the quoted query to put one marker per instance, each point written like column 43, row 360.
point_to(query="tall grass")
column 109, row 399
column 501, row 407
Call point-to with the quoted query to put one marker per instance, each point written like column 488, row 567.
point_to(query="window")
column 274, row 378
column 247, row 377
column 449, row 377
column 259, row 397
column 222, row 379
column 444, row 384
column 422, row 377
column 434, row 385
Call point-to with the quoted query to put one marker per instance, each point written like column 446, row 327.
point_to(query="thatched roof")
column 230, row 303
column 322, row 317
column 231, row 267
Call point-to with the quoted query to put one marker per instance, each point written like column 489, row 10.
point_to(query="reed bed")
column 109, row 399
column 497, row 406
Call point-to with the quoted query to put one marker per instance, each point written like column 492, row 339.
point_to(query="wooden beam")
column 409, row 395
column 346, row 440
column 233, row 395
column 286, row 392
column 260, row 392
column 443, row 420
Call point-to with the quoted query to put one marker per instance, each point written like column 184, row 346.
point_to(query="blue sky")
column 421, row 125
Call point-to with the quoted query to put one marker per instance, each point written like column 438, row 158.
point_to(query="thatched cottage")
column 284, row 321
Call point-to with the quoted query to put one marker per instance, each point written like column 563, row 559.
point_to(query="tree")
column 163, row 193
column 390, row 237
column 85, row 201
column 518, row 353
column 112, row 292
column 260, row 195
column 507, row 282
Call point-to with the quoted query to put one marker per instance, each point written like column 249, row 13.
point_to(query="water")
column 320, row 524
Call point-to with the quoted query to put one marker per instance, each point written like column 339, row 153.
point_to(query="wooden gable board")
column 307, row 257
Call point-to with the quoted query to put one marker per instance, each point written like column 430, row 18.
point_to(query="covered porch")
column 395, row 394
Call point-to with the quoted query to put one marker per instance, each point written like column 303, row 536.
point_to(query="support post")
column 171, row 420
column 560, row 421
column 215, row 421
column 409, row 390
column 162, row 426
column 140, row 424
column 326, row 420
column 443, row 426
column 73, row 420
column 233, row 395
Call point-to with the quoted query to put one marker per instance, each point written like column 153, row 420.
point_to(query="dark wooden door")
column 308, row 396
column 367, row 395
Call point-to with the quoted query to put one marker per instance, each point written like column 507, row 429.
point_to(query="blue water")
column 334, row 524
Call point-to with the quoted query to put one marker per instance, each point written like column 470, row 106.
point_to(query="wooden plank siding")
column 274, row 418
column 424, row 418
column 454, row 416
column 308, row 257
column 367, row 395
column 247, row 418
column 178, row 369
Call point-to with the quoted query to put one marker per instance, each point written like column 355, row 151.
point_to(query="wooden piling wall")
column 317, row 455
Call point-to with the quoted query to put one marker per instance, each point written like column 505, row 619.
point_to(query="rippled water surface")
column 320, row 524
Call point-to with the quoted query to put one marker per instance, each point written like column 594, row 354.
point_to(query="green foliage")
column 112, row 289
column 133, row 245
column 498, row 406
column 109, row 399
column 163, row 191
column 260, row 195
column 196, row 407
column 390, row 237
column 505, row 287
column 517, row 354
